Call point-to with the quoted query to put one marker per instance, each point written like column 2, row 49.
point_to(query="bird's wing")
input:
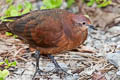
column 42, row 30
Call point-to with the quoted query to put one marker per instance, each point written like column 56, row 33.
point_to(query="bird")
column 51, row 31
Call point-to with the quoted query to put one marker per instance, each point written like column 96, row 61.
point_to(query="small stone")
column 69, row 71
column 113, row 58
column 115, row 29
column 118, row 73
column 74, row 77
column 54, row 77
column 48, row 67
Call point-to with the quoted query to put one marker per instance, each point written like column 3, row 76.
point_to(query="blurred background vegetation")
column 26, row 6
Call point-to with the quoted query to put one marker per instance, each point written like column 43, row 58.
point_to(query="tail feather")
column 16, row 17
column 3, row 27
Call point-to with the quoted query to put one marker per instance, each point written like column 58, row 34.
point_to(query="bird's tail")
column 3, row 26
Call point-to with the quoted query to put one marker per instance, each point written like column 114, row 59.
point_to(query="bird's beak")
column 91, row 26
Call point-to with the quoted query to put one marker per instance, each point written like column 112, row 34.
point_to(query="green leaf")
column 4, row 74
column 6, row 61
column 9, row 65
column 26, row 11
column 5, row 20
column 9, row 1
column 104, row 4
column 19, row 7
column 8, row 11
column 2, row 18
column 91, row 2
column 15, row 36
column 8, row 34
column 1, row 63
column 14, row 13
column 50, row 4
column 43, row 7
column 28, row 5
column 1, row 78
column 70, row 2
column 13, row 63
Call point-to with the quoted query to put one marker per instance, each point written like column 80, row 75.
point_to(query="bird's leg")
column 37, row 55
column 57, row 66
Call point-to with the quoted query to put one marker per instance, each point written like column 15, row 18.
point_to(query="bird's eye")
column 83, row 23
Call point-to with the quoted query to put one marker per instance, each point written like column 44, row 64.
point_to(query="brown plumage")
column 50, row 31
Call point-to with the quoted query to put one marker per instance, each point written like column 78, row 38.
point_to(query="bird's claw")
column 57, row 66
column 39, row 71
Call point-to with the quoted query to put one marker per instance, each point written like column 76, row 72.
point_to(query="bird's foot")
column 37, row 71
column 37, row 55
column 57, row 66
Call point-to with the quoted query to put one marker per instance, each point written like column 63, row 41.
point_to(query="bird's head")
column 82, row 21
